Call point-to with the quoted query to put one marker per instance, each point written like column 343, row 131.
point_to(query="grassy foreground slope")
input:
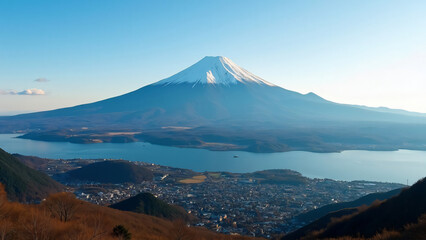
column 88, row 221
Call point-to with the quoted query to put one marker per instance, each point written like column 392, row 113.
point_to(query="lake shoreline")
column 383, row 166
column 211, row 146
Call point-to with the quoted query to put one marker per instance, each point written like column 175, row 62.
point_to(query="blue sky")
column 361, row 52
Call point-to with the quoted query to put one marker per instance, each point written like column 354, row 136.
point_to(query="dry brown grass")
column 89, row 222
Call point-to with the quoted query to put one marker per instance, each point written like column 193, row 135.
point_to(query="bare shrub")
column 62, row 205
column 37, row 225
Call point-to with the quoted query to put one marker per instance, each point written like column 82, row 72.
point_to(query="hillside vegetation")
column 117, row 171
column 64, row 217
column 277, row 176
column 367, row 200
column 23, row 183
column 33, row 162
column 148, row 204
column 396, row 218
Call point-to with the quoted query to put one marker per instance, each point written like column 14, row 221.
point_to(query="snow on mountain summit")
column 214, row 70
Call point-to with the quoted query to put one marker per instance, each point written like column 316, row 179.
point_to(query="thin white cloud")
column 32, row 91
column 42, row 80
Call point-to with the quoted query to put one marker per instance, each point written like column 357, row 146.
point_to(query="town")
column 225, row 202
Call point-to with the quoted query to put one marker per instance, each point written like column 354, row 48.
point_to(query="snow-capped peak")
column 214, row 70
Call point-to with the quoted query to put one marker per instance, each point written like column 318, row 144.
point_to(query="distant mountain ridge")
column 218, row 105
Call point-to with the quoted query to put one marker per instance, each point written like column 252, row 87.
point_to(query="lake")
column 387, row 166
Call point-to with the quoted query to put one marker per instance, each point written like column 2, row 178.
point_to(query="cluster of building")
column 232, row 204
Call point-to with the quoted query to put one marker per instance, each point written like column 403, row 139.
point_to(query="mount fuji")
column 216, row 104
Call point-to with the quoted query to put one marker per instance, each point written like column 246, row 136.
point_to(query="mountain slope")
column 394, row 214
column 147, row 203
column 320, row 218
column 215, row 98
column 366, row 200
column 23, row 183
column 190, row 99
column 214, row 71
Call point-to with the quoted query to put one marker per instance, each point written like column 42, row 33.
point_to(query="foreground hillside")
column 367, row 200
column 400, row 217
column 62, row 216
column 23, row 183
column 212, row 196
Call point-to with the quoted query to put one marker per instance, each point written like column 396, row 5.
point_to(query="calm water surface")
column 388, row 166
